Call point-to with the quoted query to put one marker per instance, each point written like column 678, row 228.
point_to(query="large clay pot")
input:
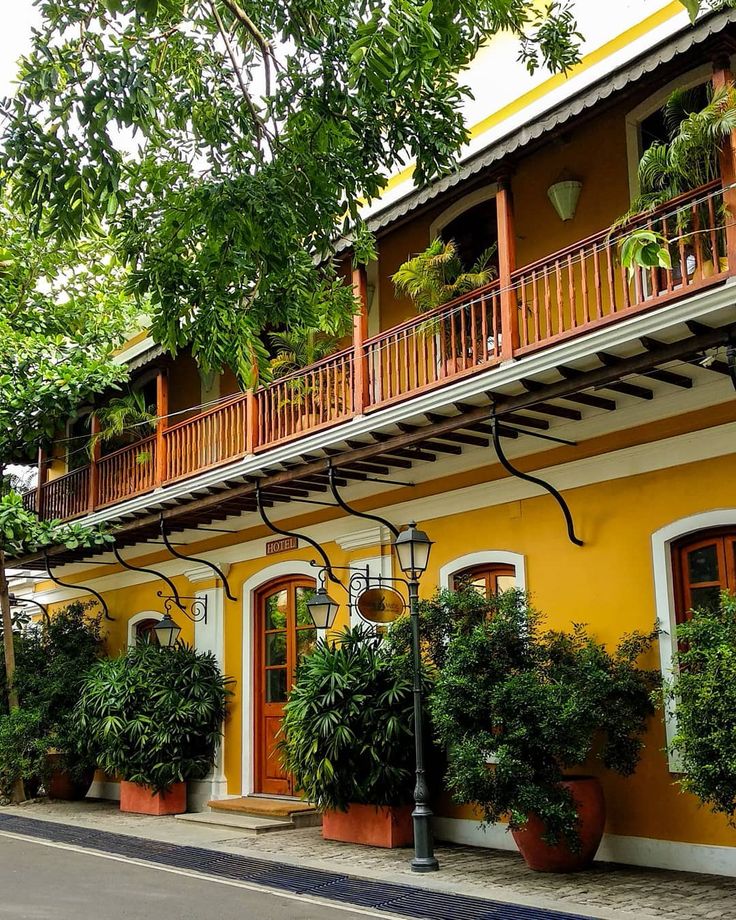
column 142, row 800
column 540, row 856
column 61, row 785
column 370, row 825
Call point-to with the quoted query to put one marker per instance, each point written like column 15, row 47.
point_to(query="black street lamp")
column 322, row 608
column 412, row 549
column 167, row 631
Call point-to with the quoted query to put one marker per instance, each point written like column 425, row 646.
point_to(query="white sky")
column 15, row 38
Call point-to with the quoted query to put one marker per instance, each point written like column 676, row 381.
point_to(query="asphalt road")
column 40, row 882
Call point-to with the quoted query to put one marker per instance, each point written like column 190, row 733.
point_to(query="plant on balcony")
column 703, row 697
column 153, row 717
column 296, row 349
column 518, row 707
column 437, row 276
column 688, row 160
column 125, row 420
column 347, row 735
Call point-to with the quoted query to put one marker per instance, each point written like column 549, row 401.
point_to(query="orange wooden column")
column 93, row 483
column 43, row 472
column 506, row 265
column 162, row 411
column 360, row 334
column 251, row 420
column 722, row 76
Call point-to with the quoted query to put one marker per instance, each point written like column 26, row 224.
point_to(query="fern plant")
column 437, row 275
column 124, row 420
column 296, row 349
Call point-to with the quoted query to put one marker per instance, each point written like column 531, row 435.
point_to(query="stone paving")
column 607, row 891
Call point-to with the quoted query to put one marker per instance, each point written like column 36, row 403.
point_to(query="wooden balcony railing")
column 568, row 293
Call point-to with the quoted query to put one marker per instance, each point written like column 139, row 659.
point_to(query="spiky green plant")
column 299, row 347
column 437, row 275
column 124, row 419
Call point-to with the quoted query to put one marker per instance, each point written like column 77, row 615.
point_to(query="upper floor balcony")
column 566, row 294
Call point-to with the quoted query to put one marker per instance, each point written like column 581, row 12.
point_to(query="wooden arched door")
column 284, row 632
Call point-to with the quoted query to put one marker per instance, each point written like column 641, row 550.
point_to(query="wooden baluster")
column 653, row 272
column 162, row 411
column 571, row 292
column 722, row 76
column 584, row 284
column 361, row 369
column 524, row 321
column 506, row 265
column 611, row 279
column 698, row 238
column 93, row 485
column 560, row 299
column 535, row 307
column 548, row 303
column 485, row 303
column 714, row 247
column 597, row 282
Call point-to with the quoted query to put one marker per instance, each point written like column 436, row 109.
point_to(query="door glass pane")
column 506, row 582
column 705, row 598
column 303, row 616
column 305, row 641
column 276, row 607
column 276, row 685
column 276, row 648
column 702, row 564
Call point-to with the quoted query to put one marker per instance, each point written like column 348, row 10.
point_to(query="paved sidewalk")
column 607, row 891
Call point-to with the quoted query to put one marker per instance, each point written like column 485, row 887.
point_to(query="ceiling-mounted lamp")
column 564, row 195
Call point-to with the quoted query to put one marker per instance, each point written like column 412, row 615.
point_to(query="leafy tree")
column 227, row 142
column 696, row 7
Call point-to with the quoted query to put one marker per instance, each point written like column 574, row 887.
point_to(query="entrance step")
column 298, row 814
column 249, row 825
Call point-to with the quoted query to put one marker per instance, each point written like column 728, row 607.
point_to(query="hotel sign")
column 281, row 545
column 380, row 605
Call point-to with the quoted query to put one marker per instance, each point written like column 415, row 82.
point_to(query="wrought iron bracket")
column 353, row 511
column 66, row 584
column 299, row 536
column 138, row 568
column 361, row 579
column 510, row 468
column 198, row 606
column 16, row 601
column 216, row 569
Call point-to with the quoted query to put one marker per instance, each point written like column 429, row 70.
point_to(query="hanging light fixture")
column 412, row 548
column 322, row 608
column 564, row 195
column 167, row 631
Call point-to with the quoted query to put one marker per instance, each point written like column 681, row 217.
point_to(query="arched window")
column 486, row 579
column 703, row 565
column 141, row 627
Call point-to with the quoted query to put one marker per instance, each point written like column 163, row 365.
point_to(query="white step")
column 250, row 825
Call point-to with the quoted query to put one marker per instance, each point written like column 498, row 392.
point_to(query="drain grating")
column 406, row 900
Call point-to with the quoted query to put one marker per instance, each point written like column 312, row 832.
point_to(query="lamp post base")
column 424, row 864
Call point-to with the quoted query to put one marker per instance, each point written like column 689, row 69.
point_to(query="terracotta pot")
column 142, row 800
column 61, row 785
column 540, row 856
column 368, row 824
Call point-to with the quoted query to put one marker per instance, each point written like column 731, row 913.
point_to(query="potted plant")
column 348, row 739
column 521, row 711
column 703, row 697
column 437, row 276
column 153, row 717
column 52, row 659
column 686, row 161
column 297, row 349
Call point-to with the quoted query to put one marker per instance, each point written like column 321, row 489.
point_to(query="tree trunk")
column 9, row 649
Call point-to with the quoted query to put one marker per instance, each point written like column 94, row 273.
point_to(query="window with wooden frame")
column 703, row 565
column 487, row 579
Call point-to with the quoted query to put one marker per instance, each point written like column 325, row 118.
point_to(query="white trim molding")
column 616, row 848
column 664, row 596
column 484, row 557
column 139, row 618
column 250, row 586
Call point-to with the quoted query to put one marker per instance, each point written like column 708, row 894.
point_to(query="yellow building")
column 619, row 391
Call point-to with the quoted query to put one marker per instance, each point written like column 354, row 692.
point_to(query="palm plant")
column 124, row 419
column 297, row 349
column 688, row 160
column 437, row 275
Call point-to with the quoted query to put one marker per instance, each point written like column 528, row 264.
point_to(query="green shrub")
column 704, row 693
column 536, row 703
column 23, row 750
column 153, row 716
column 348, row 736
